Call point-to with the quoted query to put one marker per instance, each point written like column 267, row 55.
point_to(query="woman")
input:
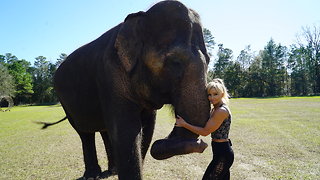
column 218, row 126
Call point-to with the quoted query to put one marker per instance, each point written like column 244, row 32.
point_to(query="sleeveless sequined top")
column 223, row 131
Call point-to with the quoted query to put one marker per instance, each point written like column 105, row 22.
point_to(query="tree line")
column 274, row 71
column 25, row 83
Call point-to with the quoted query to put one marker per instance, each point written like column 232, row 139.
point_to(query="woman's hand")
column 180, row 122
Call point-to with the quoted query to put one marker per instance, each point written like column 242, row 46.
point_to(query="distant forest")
column 274, row 71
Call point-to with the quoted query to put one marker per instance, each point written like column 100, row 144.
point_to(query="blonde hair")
column 219, row 86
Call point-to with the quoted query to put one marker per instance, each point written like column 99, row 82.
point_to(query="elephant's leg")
column 148, row 122
column 92, row 168
column 112, row 170
column 128, row 155
column 126, row 145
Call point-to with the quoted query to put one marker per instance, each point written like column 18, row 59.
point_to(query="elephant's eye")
column 175, row 68
column 176, row 63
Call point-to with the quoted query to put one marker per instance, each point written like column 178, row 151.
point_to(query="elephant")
column 115, row 84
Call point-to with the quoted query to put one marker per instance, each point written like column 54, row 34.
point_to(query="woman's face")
column 214, row 97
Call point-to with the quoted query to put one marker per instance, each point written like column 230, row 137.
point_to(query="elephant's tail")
column 45, row 124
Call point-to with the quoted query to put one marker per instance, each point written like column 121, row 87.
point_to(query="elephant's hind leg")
column 112, row 169
column 92, row 168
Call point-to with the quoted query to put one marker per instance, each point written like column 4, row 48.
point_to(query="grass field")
column 273, row 138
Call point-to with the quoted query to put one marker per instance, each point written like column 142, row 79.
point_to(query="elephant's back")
column 82, row 77
column 83, row 66
column 77, row 93
column 76, row 88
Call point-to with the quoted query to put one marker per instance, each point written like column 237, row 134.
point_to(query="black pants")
column 219, row 167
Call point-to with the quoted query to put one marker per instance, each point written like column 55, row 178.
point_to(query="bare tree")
column 310, row 40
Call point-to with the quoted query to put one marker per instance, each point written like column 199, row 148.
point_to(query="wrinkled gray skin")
column 115, row 84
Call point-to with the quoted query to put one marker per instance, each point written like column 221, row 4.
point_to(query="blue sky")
column 48, row 28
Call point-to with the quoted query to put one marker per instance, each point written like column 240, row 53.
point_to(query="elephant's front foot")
column 91, row 178
column 110, row 172
column 92, row 173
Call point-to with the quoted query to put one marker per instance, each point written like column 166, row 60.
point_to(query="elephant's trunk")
column 180, row 141
column 166, row 148
column 190, row 102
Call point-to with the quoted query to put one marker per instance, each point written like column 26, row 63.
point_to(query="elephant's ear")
column 129, row 40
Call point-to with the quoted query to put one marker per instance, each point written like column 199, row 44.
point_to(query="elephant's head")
column 163, row 53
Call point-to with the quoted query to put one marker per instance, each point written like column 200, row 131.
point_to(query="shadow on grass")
column 104, row 174
column 276, row 97
column 46, row 104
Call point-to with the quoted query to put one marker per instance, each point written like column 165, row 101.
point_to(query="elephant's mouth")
column 157, row 102
column 166, row 148
column 151, row 105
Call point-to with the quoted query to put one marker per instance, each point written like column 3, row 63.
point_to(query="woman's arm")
column 212, row 124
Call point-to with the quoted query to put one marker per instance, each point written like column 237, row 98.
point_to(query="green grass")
column 273, row 138
column 277, row 138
